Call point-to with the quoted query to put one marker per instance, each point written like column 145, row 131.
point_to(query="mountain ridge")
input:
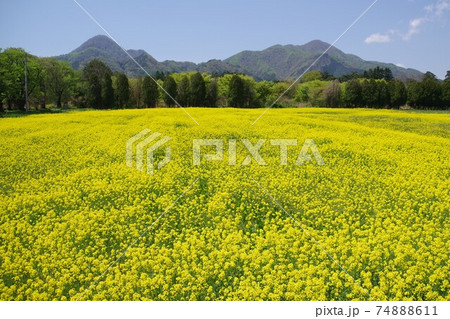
column 277, row 62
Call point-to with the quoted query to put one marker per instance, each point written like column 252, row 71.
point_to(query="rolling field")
column 70, row 207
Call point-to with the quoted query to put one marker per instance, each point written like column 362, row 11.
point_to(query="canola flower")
column 69, row 206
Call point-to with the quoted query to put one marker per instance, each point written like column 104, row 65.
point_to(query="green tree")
column 311, row 76
column 94, row 74
column 353, row 94
column 398, row 94
column 333, row 94
column 446, row 91
column 97, row 67
column 59, row 80
column 429, row 76
column 150, row 92
column 159, row 76
column 94, row 91
column 430, row 92
column 264, row 90
column 79, row 89
column 378, row 74
column 236, row 91
column 2, row 91
column 426, row 94
column 170, row 86
column 369, row 93
column 349, row 77
column 122, row 90
column 212, row 94
column 198, row 89
column 107, row 91
column 388, row 76
column 383, row 94
column 184, row 91
column 12, row 73
column 413, row 93
column 249, row 94
column 44, row 94
column 136, row 91
column 327, row 76
column 302, row 94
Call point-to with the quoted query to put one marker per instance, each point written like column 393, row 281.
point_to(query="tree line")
column 55, row 83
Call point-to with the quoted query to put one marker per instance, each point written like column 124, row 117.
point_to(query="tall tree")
column 378, row 73
column 94, row 91
column 353, row 93
column 122, row 90
column 414, row 93
column 94, row 74
column 327, row 76
column 426, row 94
column 170, row 86
column 150, row 93
column 388, row 76
column 44, row 92
column 212, row 94
column 429, row 76
column 97, row 67
column 384, row 96
column 369, row 93
column 12, row 68
column 446, row 93
column 236, row 91
column 333, row 94
column 264, row 90
column 159, row 76
column 184, row 91
column 431, row 92
column 198, row 89
column 2, row 90
column 107, row 92
column 397, row 93
column 349, row 77
column 136, row 91
column 79, row 90
column 249, row 95
column 59, row 80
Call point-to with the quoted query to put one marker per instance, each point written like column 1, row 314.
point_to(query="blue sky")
column 413, row 33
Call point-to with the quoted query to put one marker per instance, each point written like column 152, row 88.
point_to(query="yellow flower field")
column 69, row 207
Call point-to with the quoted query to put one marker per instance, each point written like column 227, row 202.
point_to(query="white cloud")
column 434, row 12
column 378, row 38
column 401, row 65
column 439, row 8
column 414, row 24
column 413, row 28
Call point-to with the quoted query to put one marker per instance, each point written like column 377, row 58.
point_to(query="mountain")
column 103, row 48
column 290, row 61
column 275, row 63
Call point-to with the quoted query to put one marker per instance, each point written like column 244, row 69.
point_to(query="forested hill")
column 278, row 62
column 287, row 61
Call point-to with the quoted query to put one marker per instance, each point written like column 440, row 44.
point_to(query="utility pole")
column 26, row 85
